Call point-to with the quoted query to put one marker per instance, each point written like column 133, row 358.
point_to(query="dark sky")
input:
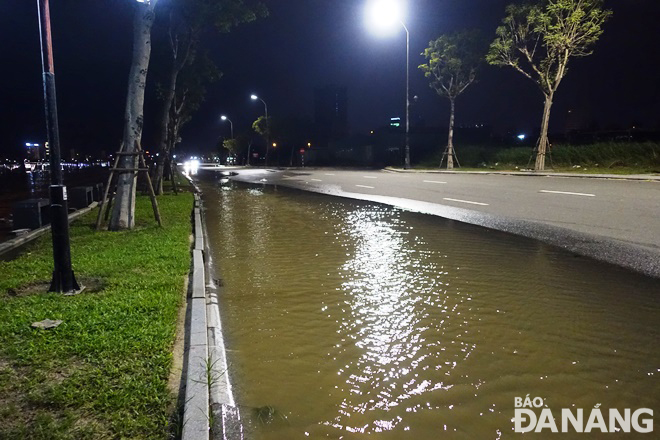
column 309, row 43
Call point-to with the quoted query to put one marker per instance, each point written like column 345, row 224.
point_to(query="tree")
column 264, row 127
column 190, row 93
column 452, row 67
column 123, row 211
column 186, row 20
column 538, row 41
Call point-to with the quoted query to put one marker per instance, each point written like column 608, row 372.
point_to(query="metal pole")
column 231, row 127
column 63, row 277
column 406, row 164
column 267, row 129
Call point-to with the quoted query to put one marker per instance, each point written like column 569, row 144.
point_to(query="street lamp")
column 63, row 278
column 254, row 98
column 231, row 124
column 383, row 16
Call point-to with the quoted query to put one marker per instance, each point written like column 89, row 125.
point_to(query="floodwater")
column 349, row 320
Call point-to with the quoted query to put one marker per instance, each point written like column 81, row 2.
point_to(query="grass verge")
column 603, row 157
column 103, row 372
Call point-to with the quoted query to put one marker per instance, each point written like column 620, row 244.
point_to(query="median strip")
column 465, row 201
column 567, row 193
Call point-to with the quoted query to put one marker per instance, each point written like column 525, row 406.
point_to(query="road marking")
column 329, row 174
column 365, row 186
column 568, row 193
column 433, row 181
column 316, row 180
column 370, row 177
column 466, row 201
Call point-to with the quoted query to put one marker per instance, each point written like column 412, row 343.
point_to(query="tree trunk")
column 164, row 124
column 159, row 174
column 543, row 139
column 450, row 137
column 123, row 211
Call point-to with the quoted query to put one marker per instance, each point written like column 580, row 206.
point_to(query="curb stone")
column 208, row 395
column 650, row 177
column 17, row 242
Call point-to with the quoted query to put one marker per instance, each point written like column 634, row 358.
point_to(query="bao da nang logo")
column 532, row 415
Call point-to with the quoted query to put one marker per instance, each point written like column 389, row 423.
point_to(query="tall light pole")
column 254, row 98
column 231, row 124
column 63, row 277
column 383, row 16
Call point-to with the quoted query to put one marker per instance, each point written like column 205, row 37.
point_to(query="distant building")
column 331, row 112
column 33, row 151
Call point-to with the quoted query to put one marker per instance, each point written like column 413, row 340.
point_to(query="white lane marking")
column 466, row 201
column 567, row 193
column 365, row 186
column 316, row 180
column 370, row 177
column 329, row 174
column 433, row 181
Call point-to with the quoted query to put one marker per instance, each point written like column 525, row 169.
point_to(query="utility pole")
column 63, row 278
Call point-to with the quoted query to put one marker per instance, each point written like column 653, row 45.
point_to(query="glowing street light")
column 231, row 124
column 383, row 16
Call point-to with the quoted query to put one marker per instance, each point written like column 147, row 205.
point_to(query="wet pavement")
column 615, row 221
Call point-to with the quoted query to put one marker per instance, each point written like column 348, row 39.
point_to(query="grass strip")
column 103, row 372
column 601, row 157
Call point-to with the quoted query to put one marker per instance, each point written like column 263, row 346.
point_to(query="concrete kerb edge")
column 644, row 177
column 227, row 421
column 196, row 415
column 207, row 374
column 17, row 242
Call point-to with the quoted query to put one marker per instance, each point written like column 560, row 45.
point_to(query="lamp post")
column 231, row 124
column 254, row 98
column 383, row 15
column 63, row 278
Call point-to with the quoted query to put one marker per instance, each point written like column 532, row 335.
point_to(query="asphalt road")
column 617, row 221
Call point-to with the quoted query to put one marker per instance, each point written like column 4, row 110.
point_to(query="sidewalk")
column 654, row 177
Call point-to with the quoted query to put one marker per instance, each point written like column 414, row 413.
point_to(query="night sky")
column 305, row 44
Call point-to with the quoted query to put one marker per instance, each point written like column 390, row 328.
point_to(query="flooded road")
column 345, row 318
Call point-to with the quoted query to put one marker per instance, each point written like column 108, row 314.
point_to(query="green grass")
column 103, row 373
column 603, row 157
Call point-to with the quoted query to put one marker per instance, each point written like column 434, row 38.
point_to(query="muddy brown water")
column 350, row 320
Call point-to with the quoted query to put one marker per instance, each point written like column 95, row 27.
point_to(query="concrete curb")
column 534, row 173
column 17, row 242
column 208, row 395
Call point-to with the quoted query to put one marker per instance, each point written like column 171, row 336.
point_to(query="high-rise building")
column 331, row 112
column 32, row 151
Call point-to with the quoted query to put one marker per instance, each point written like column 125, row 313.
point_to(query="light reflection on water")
column 352, row 319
